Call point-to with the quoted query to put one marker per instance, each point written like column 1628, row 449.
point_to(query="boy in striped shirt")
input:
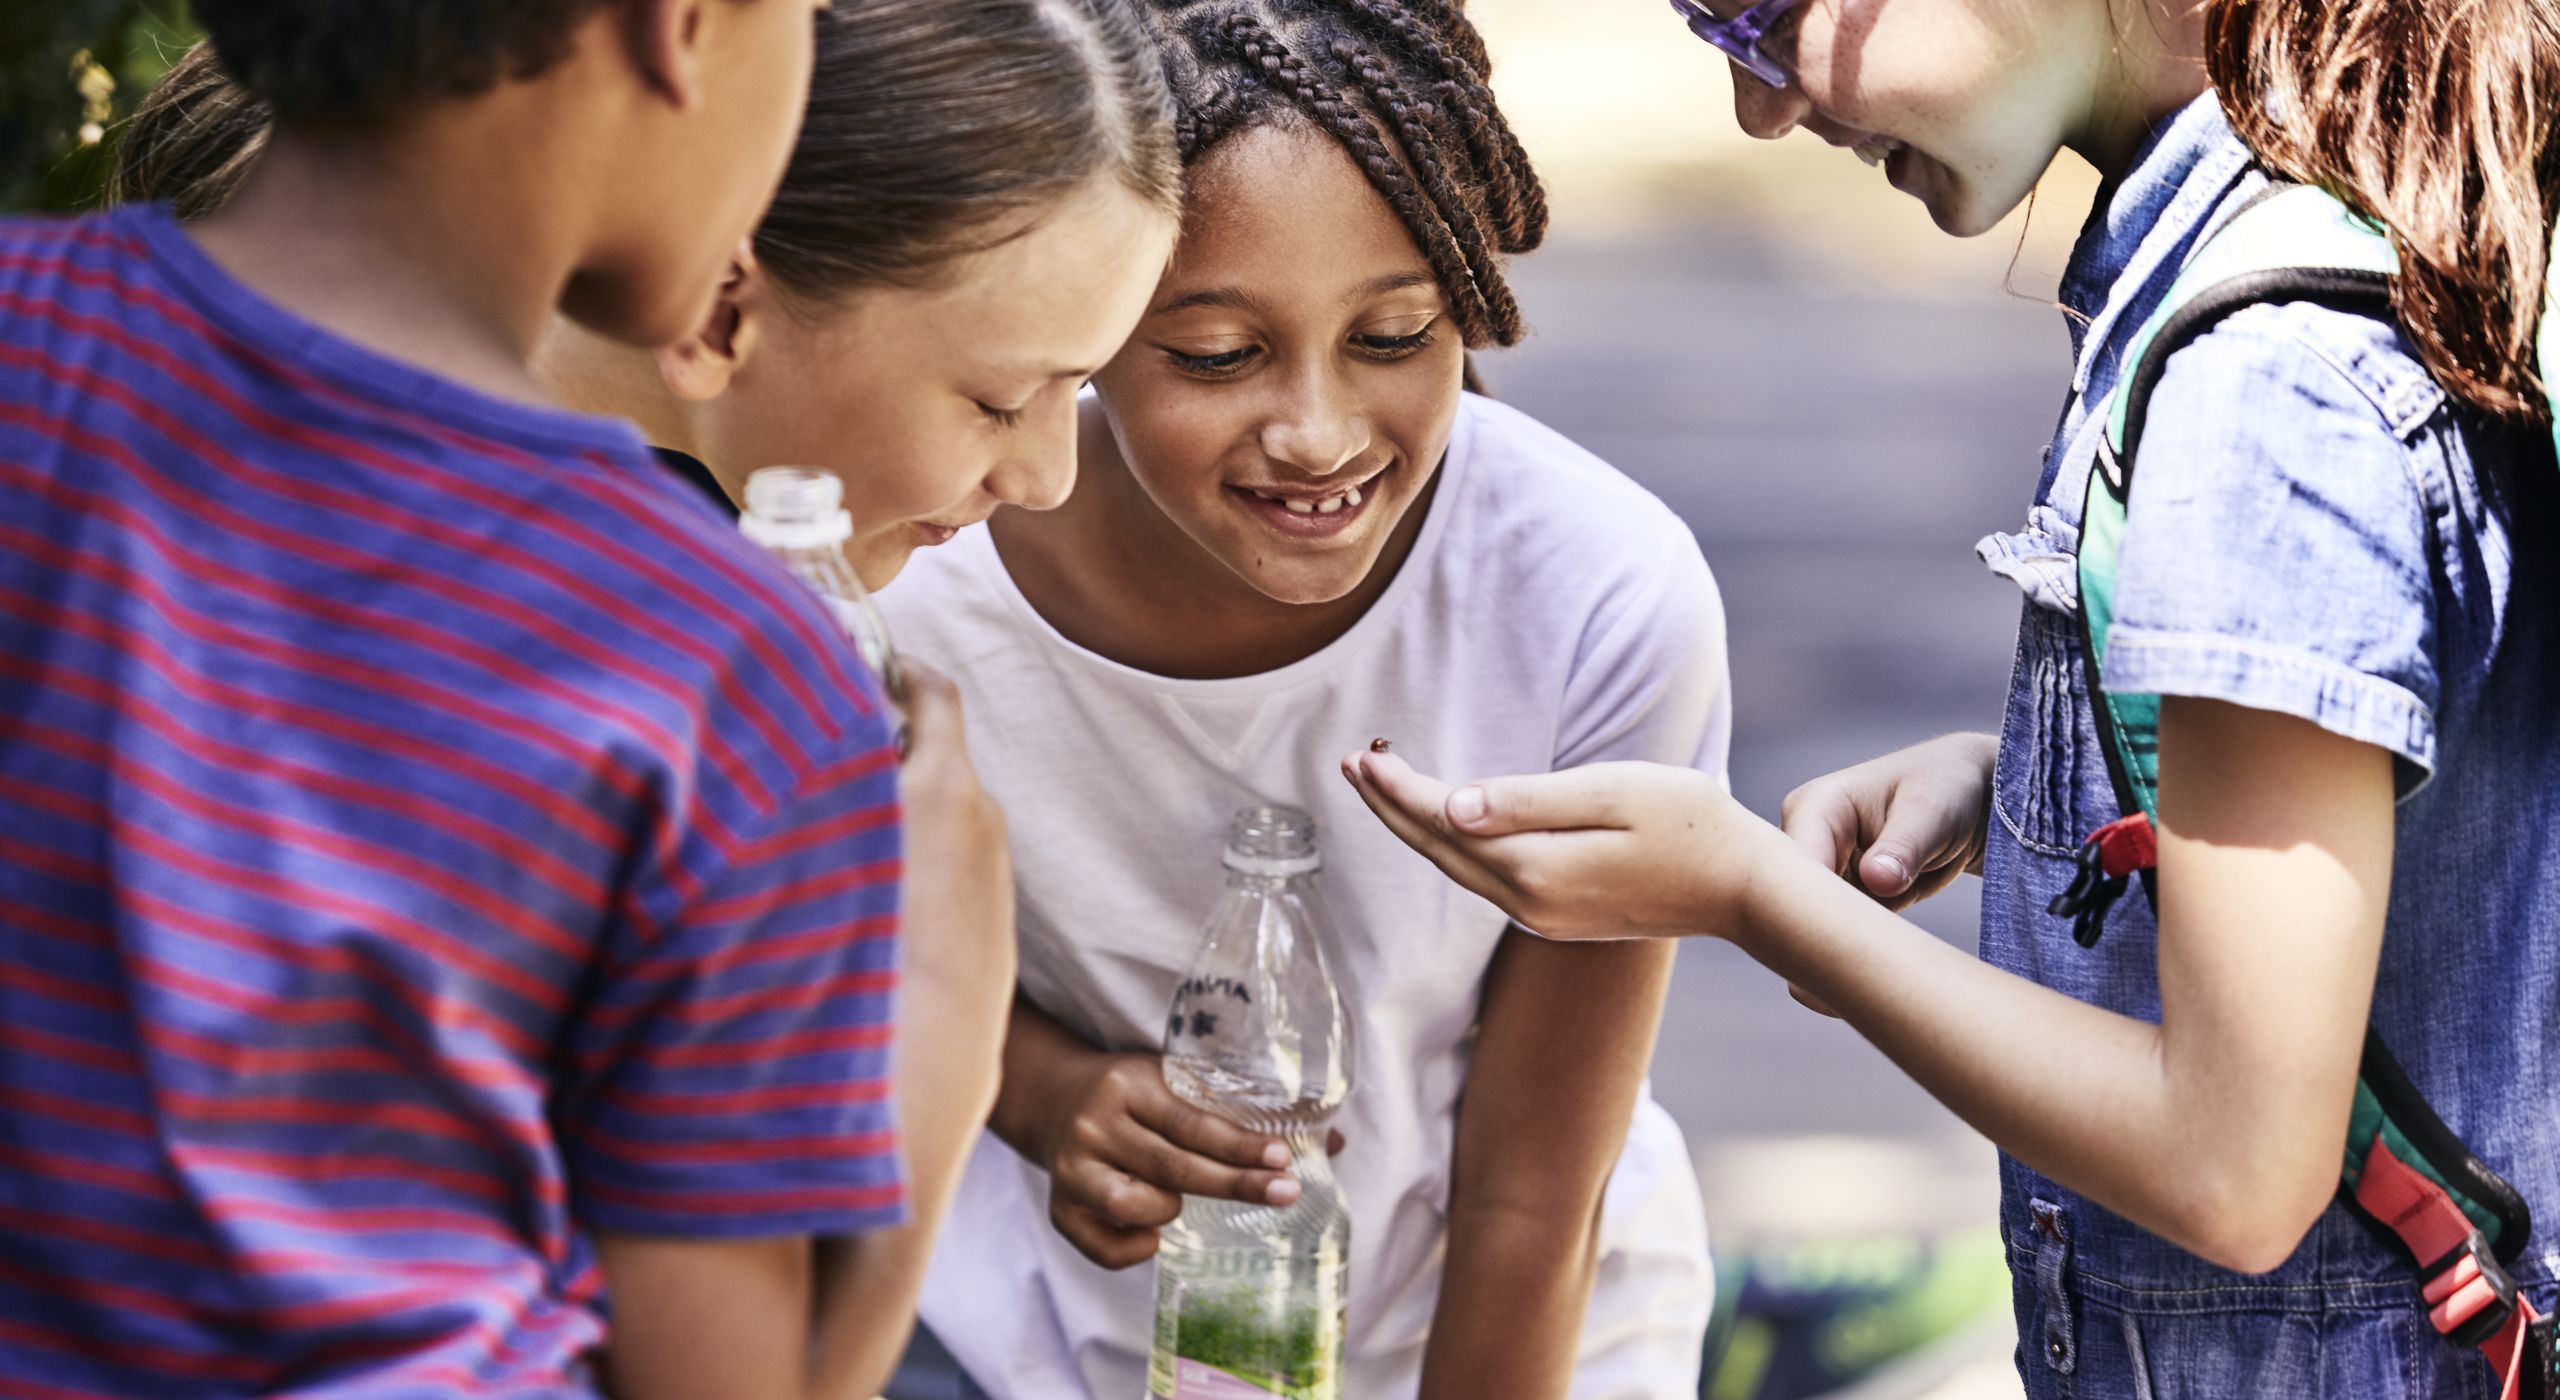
column 443, row 872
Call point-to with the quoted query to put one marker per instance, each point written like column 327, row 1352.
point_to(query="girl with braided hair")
column 1294, row 530
column 2290, row 653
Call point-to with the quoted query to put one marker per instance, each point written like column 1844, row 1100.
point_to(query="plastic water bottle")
column 799, row 514
column 1249, row 1298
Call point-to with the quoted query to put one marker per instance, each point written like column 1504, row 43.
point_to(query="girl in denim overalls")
column 2341, row 573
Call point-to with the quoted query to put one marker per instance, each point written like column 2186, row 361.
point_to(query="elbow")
column 2252, row 1222
column 1558, row 1231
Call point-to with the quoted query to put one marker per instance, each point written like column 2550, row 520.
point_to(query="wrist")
column 1766, row 885
column 1036, row 1091
column 1980, row 750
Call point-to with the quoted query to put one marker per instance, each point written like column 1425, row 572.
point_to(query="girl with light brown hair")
column 2301, row 680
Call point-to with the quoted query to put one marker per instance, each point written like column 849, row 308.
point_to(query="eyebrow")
column 1237, row 299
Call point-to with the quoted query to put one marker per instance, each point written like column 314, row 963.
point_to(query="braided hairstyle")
column 1402, row 85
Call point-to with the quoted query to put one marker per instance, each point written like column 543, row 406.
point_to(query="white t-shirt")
column 1552, row 613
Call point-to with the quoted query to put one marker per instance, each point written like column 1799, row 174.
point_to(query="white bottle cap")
column 796, row 508
column 1273, row 839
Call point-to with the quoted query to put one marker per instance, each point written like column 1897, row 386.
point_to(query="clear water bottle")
column 799, row 514
column 1249, row 1298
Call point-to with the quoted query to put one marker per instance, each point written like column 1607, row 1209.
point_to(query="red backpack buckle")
column 2470, row 1297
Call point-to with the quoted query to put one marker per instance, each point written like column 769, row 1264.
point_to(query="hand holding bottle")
column 1120, row 1148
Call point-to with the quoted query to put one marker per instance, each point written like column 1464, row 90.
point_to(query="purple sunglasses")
column 1739, row 37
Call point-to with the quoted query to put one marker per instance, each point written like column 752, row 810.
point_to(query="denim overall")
column 2319, row 531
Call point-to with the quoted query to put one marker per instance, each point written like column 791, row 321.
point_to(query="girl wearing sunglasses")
column 2334, row 583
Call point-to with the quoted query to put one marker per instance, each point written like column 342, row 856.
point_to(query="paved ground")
column 1837, row 449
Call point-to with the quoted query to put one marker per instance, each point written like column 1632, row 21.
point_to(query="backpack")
column 2403, row 1170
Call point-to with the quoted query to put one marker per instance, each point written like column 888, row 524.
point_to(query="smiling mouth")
column 1348, row 498
column 1876, row 150
column 1308, row 514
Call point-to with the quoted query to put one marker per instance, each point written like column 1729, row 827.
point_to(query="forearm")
column 1567, row 1032
column 1038, row 1053
column 2219, row 1128
column 867, row 1286
column 854, row 1295
column 2158, row 1126
column 1513, row 1297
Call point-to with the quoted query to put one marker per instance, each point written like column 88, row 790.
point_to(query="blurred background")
column 1839, row 400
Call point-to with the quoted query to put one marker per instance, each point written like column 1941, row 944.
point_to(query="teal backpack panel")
column 2265, row 249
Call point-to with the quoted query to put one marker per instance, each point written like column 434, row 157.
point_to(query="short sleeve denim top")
column 2318, row 530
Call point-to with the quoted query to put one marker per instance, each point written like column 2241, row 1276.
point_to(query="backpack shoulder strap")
column 2291, row 243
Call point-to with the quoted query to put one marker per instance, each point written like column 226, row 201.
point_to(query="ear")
column 664, row 38
column 701, row 366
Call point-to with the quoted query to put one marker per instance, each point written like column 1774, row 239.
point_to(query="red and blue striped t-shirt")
column 427, row 834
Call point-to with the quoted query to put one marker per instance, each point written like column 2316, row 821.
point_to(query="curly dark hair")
column 361, row 60
column 1402, row 85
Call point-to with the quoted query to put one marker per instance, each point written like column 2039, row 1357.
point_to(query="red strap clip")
column 2469, row 1297
column 2126, row 847
column 2108, row 859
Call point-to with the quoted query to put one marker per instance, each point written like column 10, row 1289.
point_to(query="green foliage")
column 70, row 71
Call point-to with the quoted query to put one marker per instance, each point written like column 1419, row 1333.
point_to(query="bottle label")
column 1197, row 1380
column 1220, row 1343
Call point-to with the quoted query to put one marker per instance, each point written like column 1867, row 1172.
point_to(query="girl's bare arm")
column 1565, row 1037
column 2218, row 1128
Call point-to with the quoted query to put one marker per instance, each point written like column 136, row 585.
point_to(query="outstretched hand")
column 1613, row 850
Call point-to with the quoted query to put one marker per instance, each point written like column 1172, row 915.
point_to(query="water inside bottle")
column 1251, row 1298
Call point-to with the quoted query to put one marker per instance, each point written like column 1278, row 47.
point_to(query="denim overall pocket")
column 2048, row 745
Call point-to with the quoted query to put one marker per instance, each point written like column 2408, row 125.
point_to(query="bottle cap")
column 796, row 508
column 1273, row 840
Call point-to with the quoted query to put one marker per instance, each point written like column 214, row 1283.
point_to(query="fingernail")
column 1283, row 1192
column 1276, row 1157
column 1896, row 873
column 1466, row 806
